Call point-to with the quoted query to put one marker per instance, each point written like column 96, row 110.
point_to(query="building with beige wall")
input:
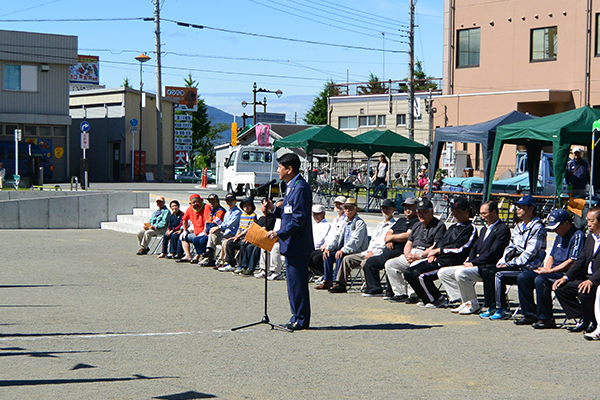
column 109, row 112
column 357, row 114
column 539, row 57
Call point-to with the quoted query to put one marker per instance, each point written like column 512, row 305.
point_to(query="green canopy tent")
column 389, row 142
column 558, row 130
column 319, row 137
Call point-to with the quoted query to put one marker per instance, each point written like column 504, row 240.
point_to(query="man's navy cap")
column 424, row 204
column 526, row 201
column 213, row 196
column 460, row 203
column 557, row 217
column 230, row 196
column 388, row 203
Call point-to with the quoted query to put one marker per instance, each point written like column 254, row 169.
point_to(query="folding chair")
column 155, row 245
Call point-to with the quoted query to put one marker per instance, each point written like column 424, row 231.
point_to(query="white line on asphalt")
column 110, row 335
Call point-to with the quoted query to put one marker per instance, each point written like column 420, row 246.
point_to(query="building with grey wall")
column 34, row 76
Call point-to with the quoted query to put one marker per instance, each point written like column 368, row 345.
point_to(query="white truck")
column 546, row 179
column 248, row 168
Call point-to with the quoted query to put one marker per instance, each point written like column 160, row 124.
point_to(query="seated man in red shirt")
column 197, row 214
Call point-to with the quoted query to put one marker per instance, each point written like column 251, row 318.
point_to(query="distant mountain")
column 216, row 116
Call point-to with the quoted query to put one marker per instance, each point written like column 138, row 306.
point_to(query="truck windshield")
column 231, row 159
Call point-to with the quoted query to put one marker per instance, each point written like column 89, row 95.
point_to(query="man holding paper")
column 295, row 237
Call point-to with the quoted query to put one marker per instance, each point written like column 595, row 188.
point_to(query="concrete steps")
column 131, row 223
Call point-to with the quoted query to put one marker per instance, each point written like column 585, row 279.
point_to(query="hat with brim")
column 340, row 199
column 556, row 218
column 388, row 203
column 527, row 200
column 318, row 209
column 350, row 202
column 410, row 201
column 248, row 200
column 425, row 204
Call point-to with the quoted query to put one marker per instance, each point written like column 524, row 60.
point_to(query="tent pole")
column 592, row 169
column 369, row 182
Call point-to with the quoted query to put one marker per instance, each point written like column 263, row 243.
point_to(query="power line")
column 339, row 6
column 345, row 46
column 329, row 23
column 78, row 19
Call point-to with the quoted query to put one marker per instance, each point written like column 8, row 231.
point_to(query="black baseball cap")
column 460, row 203
column 388, row 203
column 424, row 204
column 230, row 196
column 213, row 196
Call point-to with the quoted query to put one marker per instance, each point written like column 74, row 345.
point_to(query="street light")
column 278, row 92
column 142, row 59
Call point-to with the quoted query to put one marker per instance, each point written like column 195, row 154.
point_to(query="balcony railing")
column 385, row 87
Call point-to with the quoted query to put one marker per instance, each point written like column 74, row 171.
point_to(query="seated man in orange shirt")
column 197, row 213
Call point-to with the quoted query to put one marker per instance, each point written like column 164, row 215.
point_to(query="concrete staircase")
column 130, row 223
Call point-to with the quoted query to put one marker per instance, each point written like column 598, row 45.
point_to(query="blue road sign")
column 133, row 122
column 85, row 126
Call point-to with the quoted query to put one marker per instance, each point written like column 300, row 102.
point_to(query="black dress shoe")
column 544, row 324
column 294, row 326
column 591, row 328
column 580, row 327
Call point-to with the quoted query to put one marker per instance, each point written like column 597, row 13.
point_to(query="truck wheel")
column 229, row 188
column 248, row 190
column 239, row 190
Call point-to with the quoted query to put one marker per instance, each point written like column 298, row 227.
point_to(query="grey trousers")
column 144, row 237
column 349, row 262
column 459, row 283
column 395, row 268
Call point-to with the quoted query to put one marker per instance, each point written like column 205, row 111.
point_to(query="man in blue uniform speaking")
column 295, row 237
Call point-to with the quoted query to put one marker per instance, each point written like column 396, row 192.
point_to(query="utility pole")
column 410, row 123
column 159, row 119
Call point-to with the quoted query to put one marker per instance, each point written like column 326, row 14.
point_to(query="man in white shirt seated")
column 321, row 227
column 315, row 262
column 376, row 246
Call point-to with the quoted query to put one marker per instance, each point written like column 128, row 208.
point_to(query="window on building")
column 30, row 130
column 598, row 34
column 400, row 119
column 20, row 77
column 468, row 47
column 367, row 120
column 347, row 123
column 381, row 120
column 45, row 131
column 60, row 131
column 543, row 44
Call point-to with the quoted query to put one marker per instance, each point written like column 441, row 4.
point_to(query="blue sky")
column 298, row 69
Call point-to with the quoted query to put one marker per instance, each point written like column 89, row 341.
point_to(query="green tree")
column 422, row 81
column 373, row 86
column 126, row 82
column 317, row 114
column 203, row 133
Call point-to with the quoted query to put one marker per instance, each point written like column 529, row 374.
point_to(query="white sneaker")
column 421, row 304
column 471, row 309
column 227, row 268
column 275, row 276
column 319, row 281
column 460, row 308
column 260, row 275
column 592, row 336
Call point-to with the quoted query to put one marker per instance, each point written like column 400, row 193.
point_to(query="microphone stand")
column 265, row 318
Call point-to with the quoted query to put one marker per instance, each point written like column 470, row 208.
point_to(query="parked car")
column 188, row 177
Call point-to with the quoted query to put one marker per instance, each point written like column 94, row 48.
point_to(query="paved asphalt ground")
column 83, row 317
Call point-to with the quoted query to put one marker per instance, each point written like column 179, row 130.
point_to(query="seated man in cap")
column 452, row 249
column 395, row 239
column 567, row 248
column 156, row 226
column 321, row 227
column 459, row 280
column 576, row 290
column 525, row 252
column 376, row 246
column 315, row 262
column 238, row 242
column 425, row 233
column 196, row 214
column 215, row 218
column 353, row 238
column 227, row 229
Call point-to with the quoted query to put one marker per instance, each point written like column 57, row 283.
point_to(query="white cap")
column 576, row 149
column 423, row 167
column 340, row 199
column 318, row 208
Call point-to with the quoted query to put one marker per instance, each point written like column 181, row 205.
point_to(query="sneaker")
column 488, row 313
column 399, row 298
column 387, row 296
column 526, row 320
column 275, row 276
column 421, row 304
column 471, row 309
column 460, row 308
column 440, row 303
column 319, row 281
column 237, row 271
column 595, row 335
column 247, row 272
column 502, row 313
column 207, row 262
column 370, row 294
column 170, row 255
column 260, row 275
column 412, row 300
column 227, row 268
